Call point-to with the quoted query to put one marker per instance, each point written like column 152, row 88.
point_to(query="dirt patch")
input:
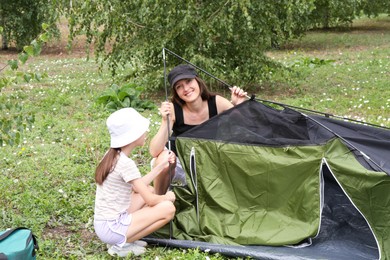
column 61, row 232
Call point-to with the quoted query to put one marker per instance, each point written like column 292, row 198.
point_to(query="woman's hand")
column 166, row 110
column 238, row 95
column 172, row 157
column 170, row 196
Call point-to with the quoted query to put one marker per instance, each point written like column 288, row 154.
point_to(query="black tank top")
column 180, row 127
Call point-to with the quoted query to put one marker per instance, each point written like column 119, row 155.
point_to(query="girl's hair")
column 204, row 92
column 106, row 165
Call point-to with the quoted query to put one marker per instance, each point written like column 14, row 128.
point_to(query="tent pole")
column 346, row 141
column 168, row 138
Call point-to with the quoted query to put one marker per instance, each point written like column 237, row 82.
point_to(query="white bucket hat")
column 125, row 126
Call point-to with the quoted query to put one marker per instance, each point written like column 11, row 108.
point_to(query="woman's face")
column 188, row 89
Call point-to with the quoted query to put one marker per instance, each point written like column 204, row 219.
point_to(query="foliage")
column 47, row 183
column 13, row 123
column 310, row 62
column 129, row 95
column 226, row 38
column 374, row 7
column 22, row 20
column 332, row 13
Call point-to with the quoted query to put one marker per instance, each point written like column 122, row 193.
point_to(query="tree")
column 333, row 13
column 374, row 7
column 22, row 19
column 13, row 121
column 227, row 38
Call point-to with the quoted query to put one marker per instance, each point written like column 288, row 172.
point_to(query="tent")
column 280, row 184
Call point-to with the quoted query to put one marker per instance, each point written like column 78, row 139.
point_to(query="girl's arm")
column 158, row 142
column 149, row 197
column 166, row 159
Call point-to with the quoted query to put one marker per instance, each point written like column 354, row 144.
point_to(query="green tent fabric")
column 255, row 177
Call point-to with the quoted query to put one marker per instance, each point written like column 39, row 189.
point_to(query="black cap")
column 183, row 71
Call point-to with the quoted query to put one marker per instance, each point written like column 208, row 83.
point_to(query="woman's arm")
column 222, row 104
column 238, row 96
column 158, row 142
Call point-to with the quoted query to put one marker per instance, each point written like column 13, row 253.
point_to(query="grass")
column 353, row 81
column 47, row 182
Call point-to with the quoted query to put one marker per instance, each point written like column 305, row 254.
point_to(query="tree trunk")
column 4, row 45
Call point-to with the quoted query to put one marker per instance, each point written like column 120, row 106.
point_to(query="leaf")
column 29, row 50
column 23, row 57
column 126, row 102
column 44, row 37
column 27, row 77
column 37, row 47
column 45, row 26
column 13, row 64
column 122, row 95
column 111, row 106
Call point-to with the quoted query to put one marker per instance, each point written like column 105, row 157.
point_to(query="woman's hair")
column 204, row 92
column 106, row 165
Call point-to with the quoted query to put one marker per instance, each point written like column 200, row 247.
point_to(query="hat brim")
column 180, row 77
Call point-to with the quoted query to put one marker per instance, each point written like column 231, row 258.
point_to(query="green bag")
column 18, row 244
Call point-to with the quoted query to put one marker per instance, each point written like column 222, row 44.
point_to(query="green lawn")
column 47, row 182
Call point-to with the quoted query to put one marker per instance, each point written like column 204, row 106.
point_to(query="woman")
column 192, row 104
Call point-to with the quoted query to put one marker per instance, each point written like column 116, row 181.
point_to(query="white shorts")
column 113, row 232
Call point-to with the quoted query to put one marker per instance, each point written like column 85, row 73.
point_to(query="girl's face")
column 142, row 139
column 188, row 89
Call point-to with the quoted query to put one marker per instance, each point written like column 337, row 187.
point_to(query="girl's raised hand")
column 167, row 157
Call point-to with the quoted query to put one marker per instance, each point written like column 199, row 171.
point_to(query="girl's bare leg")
column 149, row 219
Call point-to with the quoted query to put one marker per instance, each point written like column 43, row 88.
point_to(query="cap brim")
column 182, row 76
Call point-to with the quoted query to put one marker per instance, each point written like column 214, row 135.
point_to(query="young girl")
column 126, row 207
